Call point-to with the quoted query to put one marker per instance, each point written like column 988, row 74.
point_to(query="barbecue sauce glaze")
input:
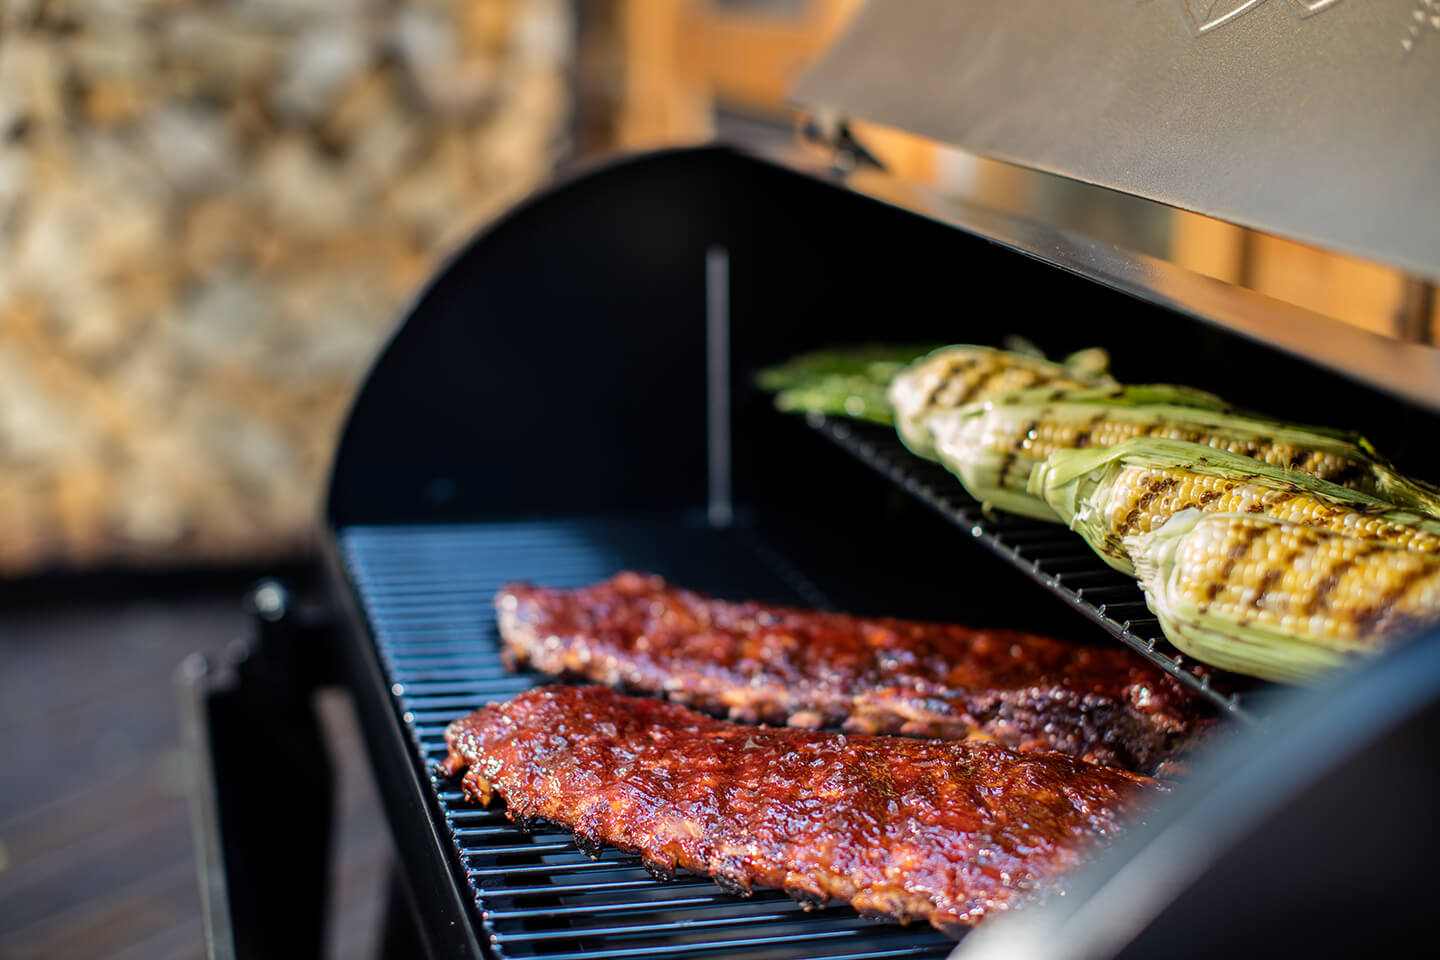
column 757, row 663
column 948, row 831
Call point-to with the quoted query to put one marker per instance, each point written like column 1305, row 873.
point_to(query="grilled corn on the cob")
column 964, row 373
column 847, row 382
column 1106, row 495
column 994, row 445
column 1276, row 599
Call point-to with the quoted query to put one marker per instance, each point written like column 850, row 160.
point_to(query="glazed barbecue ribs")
column 946, row 831
column 756, row 663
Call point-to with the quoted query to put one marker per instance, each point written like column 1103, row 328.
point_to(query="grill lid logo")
column 1425, row 18
column 1202, row 16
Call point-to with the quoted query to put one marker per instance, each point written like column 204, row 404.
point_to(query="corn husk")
column 1134, row 487
column 847, row 382
column 965, row 373
column 993, row 446
column 1279, row 600
column 1117, row 395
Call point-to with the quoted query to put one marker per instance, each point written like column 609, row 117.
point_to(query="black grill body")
column 572, row 396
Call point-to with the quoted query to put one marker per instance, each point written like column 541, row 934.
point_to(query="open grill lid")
column 1313, row 119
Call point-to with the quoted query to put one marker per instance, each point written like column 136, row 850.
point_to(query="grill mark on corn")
column 1013, row 454
column 1320, row 599
column 1366, row 621
column 958, row 370
column 1277, row 570
column 1039, row 378
column 1269, row 580
column 1154, row 489
column 1237, row 553
column 975, row 387
column 1035, row 379
column 1082, row 439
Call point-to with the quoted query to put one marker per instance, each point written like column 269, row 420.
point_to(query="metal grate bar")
column 426, row 592
column 446, row 665
column 634, row 929
column 430, row 731
column 547, row 869
column 732, row 944
column 1049, row 555
column 480, row 683
column 449, row 705
column 472, row 833
column 521, row 849
column 458, row 814
column 634, row 906
column 1124, row 591
column 603, row 886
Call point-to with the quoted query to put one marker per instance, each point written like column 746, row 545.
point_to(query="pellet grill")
column 573, row 395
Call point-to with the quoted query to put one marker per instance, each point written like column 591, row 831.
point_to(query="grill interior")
column 572, row 362
column 1050, row 554
column 427, row 591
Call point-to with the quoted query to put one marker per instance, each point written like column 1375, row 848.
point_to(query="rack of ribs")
column 947, row 831
column 757, row 663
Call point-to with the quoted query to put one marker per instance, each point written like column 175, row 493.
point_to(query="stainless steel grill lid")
column 1313, row 119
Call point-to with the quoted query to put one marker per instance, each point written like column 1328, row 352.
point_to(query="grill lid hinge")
column 832, row 131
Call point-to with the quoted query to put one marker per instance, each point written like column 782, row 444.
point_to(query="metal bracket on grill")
column 717, row 375
column 261, row 810
column 195, row 682
column 832, row 131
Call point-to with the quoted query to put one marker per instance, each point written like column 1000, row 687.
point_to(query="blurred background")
column 211, row 214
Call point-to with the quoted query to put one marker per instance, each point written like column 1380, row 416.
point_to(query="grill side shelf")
column 1049, row 554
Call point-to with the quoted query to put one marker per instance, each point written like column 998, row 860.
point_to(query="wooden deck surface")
column 96, row 858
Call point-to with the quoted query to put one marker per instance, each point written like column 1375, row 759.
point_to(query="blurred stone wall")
column 211, row 212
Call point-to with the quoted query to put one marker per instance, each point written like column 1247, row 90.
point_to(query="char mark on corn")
column 1135, row 487
column 993, row 447
column 958, row 375
column 1279, row 599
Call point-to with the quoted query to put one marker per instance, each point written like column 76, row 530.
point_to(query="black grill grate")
column 1048, row 553
column 427, row 593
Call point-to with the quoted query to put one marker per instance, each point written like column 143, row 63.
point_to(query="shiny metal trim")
column 1408, row 371
column 1311, row 119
